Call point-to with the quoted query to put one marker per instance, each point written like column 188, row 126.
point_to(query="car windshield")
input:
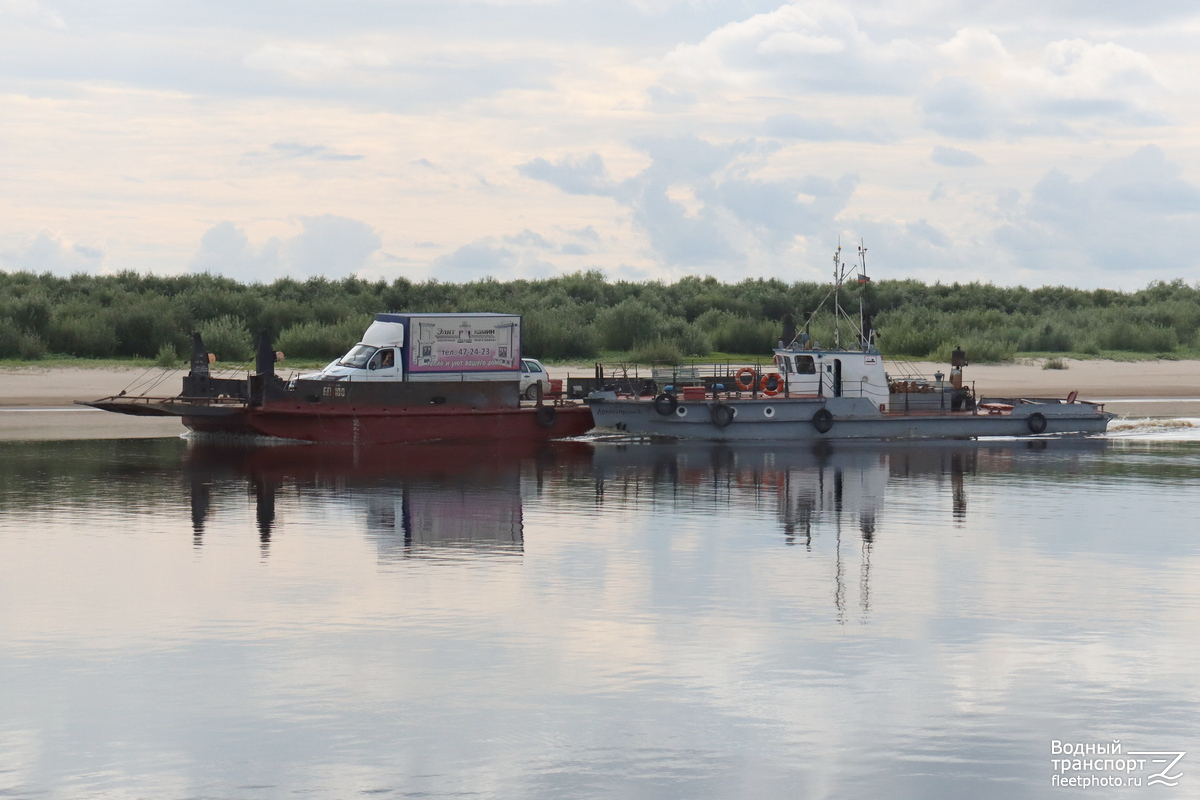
column 358, row 356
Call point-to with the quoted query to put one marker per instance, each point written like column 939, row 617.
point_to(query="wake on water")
column 1155, row 428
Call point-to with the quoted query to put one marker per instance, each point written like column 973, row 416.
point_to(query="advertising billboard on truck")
column 464, row 343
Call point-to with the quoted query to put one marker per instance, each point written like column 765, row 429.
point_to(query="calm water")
column 181, row 620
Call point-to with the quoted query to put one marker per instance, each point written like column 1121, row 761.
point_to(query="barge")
column 412, row 378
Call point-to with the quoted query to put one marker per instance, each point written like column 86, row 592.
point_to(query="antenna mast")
column 837, row 287
column 864, row 335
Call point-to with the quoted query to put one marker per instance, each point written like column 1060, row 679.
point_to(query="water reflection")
column 611, row 620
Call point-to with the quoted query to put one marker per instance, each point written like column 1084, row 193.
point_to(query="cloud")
column 982, row 91
column 1134, row 217
column 953, row 157
column 315, row 151
column 810, row 46
column 487, row 258
column 698, row 204
column 32, row 12
column 795, row 126
column 47, row 251
column 582, row 175
column 327, row 245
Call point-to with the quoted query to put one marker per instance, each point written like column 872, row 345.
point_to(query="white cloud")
column 954, row 157
column 327, row 245
column 32, row 12
column 814, row 46
column 983, row 91
column 47, row 251
column 488, row 258
column 1134, row 218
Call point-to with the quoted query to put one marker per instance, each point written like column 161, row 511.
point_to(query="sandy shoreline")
column 38, row 403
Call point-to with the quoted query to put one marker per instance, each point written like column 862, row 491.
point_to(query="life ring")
column 665, row 404
column 770, row 383
column 547, row 416
column 1036, row 422
column 749, row 384
column 722, row 415
column 823, row 420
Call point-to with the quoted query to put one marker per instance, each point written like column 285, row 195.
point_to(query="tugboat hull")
column 843, row 418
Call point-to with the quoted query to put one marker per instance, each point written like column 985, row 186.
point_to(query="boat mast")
column 837, row 287
column 864, row 335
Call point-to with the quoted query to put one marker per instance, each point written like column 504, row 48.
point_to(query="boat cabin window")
column 358, row 357
column 783, row 363
column 805, row 365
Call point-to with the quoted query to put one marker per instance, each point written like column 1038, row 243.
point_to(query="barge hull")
column 380, row 425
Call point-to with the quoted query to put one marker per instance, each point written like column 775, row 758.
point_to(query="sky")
column 1017, row 142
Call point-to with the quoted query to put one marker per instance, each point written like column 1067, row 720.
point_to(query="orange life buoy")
column 748, row 385
column 767, row 379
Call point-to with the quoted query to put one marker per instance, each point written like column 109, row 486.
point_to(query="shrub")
column 319, row 341
column 978, row 350
column 88, row 335
column 227, row 338
column 627, row 324
column 558, row 333
column 167, row 356
column 1054, row 363
column 657, row 351
column 744, row 335
column 16, row 343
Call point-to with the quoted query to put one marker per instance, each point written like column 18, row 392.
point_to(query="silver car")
column 532, row 374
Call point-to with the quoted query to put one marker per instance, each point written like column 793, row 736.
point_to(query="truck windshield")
column 358, row 356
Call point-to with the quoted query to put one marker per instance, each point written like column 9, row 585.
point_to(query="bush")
column 1054, row 363
column 88, row 335
column 628, row 324
column 227, row 338
column 658, row 351
column 167, row 356
column 318, row 341
column 16, row 343
column 558, row 333
column 143, row 324
column 978, row 350
column 744, row 335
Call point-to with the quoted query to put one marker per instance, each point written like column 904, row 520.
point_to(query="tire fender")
column 823, row 420
column 665, row 404
column 722, row 415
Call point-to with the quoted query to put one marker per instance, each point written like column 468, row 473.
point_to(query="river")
column 186, row 619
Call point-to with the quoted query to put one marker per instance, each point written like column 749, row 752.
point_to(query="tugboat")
column 412, row 378
column 818, row 393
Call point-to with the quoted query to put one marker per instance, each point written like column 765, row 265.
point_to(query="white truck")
column 435, row 347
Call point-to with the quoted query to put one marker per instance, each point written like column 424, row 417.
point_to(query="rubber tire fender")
column 721, row 415
column 665, row 404
column 547, row 416
column 823, row 420
column 1036, row 422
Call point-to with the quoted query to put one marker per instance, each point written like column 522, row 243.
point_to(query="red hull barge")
column 358, row 409
column 385, row 425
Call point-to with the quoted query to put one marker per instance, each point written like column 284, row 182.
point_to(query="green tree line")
column 578, row 316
